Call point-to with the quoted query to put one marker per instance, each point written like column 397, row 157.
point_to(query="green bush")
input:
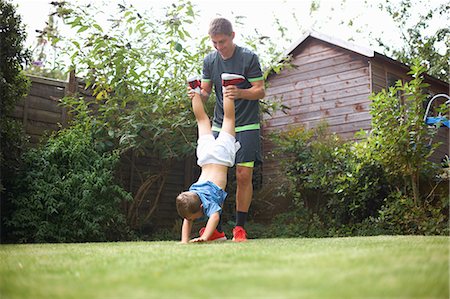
column 382, row 184
column 330, row 178
column 66, row 192
column 399, row 215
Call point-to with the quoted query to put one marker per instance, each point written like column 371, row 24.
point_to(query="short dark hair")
column 220, row 26
column 188, row 203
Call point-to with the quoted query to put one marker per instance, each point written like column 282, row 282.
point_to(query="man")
column 230, row 58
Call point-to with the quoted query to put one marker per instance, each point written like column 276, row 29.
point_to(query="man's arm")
column 186, row 231
column 211, row 225
column 256, row 92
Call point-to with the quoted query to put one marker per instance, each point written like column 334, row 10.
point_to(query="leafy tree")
column 399, row 136
column 418, row 44
column 45, row 54
column 14, row 85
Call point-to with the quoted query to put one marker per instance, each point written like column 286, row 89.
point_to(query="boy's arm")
column 211, row 225
column 186, row 231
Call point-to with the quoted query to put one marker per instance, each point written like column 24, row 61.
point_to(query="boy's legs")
column 228, row 124
column 203, row 123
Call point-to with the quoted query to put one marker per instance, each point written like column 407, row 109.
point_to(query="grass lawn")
column 360, row 267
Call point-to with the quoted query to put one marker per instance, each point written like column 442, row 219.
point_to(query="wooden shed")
column 332, row 79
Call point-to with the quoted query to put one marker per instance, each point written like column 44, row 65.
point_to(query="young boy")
column 214, row 156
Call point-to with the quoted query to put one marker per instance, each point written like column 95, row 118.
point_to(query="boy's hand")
column 197, row 240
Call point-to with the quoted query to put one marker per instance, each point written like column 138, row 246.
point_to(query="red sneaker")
column 239, row 234
column 216, row 236
column 195, row 83
column 231, row 79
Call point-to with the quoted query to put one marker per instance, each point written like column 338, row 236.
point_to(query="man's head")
column 189, row 205
column 222, row 35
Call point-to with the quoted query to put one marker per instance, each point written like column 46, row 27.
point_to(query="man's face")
column 223, row 43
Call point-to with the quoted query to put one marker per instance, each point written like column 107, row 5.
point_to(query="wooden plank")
column 328, row 105
column 312, row 46
column 294, row 98
column 299, row 68
column 331, row 120
column 315, row 112
column 315, row 57
column 40, row 130
column 338, row 76
column 46, row 81
column 45, row 91
column 298, row 76
column 44, row 116
column 334, row 78
column 47, row 104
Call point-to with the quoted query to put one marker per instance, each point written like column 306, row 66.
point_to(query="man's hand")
column 203, row 94
column 191, row 93
column 231, row 92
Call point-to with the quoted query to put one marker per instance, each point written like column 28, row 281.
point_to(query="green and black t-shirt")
column 243, row 62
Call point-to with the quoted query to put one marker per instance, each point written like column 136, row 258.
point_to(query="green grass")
column 362, row 267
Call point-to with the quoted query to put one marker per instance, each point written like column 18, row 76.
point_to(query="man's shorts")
column 220, row 151
column 250, row 151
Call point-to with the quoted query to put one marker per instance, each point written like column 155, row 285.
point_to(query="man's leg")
column 244, row 190
column 244, row 194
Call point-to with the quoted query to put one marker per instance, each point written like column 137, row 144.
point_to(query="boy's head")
column 189, row 205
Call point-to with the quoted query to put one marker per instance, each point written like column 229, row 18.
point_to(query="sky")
column 260, row 14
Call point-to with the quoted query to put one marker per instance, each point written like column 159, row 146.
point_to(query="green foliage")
column 381, row 184
column 45, row 54
column 66, row 192
column 137, row 67
column 418, row 43
column 14, row 85
column 400, row 138
column 330, row 178
column 399, row 215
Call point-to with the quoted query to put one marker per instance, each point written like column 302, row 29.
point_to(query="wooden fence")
column 40, row 111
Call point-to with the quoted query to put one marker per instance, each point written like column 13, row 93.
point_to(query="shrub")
column 66, row 192
column 329, row 177
column 383, row 183
column 399, row 215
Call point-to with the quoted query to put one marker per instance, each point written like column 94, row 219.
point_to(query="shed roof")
column 332, row 40
column 353, row 48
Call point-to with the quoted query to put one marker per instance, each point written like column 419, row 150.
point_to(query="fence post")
column 70, row 90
